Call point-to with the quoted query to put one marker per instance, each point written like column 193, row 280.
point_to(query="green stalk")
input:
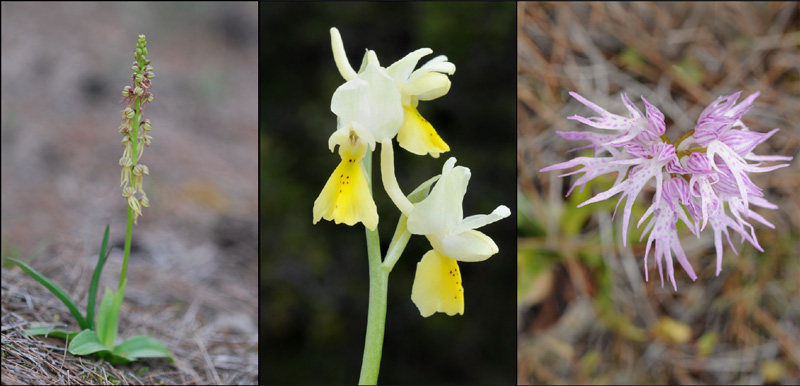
column 376, row 316
column 378, row 288
column 128, row 232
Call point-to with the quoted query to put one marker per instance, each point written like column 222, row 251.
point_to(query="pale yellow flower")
column 437, row 284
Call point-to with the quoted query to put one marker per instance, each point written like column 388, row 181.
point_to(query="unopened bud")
column 138, row 91
column 138, row 78
column 150, row 98
column 128, row 191
column 148, row 68
column 146, row 125
column 128, row 113
column 145, row 202
column 149, row 75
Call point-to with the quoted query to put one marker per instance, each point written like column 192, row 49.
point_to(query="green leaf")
column 50, row 331
column 87, row 343
column 101, row 260
column 108, row 315
column 141, row 346
column 56, row 290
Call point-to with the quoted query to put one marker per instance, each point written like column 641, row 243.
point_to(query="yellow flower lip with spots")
column 428, row 82
column 441, row 219
column 346, row 197
column 368, row 110
column 437, row 286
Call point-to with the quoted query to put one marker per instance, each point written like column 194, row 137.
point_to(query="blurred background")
column 193, row 272
column 585, row 313
column 314, row 279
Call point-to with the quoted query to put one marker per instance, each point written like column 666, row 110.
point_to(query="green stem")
column 684, row 136
column 398, row 244
column 127, row 252
column 376, row 316
column 378, row 288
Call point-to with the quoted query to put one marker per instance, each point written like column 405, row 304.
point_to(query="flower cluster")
column 695, row 177
column 375, row 105
column 133, row 139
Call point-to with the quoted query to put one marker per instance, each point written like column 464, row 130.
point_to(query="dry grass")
column 207, row 350
column 584, row 323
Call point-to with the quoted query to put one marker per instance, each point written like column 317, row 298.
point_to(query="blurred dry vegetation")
column 193, row 265
column 585, row 312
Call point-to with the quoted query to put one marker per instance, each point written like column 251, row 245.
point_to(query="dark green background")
column 314, row 280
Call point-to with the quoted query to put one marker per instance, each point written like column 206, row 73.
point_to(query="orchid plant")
column 376, row 105
column 101, row 338
column 702, row 178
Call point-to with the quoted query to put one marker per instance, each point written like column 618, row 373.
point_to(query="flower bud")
column 144, row 51
column 126, row 91
column 138, row 170
column 135, row 67
column 150, row 98
column 128, row 113
column 138, row 78
column 128, row 191
column 146, row 125
column 145, row 202
column 149, row 75
column 148, row 68
column 139, row 52
column 138, row 91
